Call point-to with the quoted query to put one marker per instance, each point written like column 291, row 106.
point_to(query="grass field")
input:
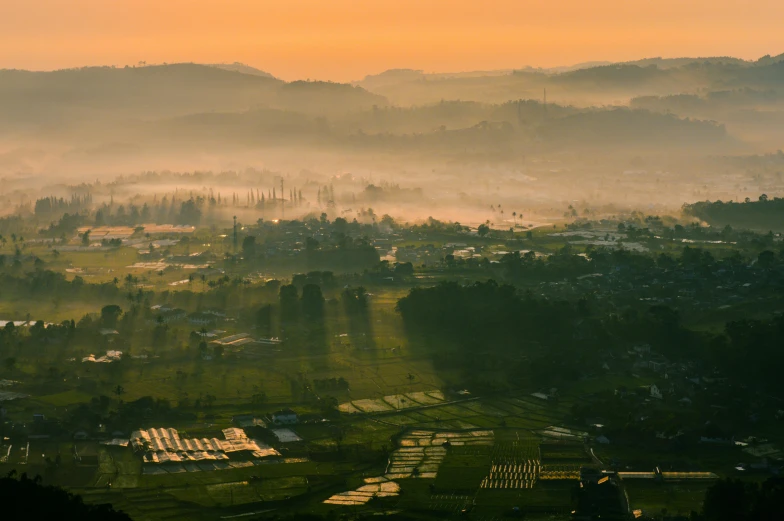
column 239, row 492
column 463, row 468
column 677, row 497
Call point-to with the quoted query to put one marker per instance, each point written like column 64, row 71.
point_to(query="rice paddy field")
column 406, row 440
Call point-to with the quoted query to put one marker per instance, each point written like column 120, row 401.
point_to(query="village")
column 273, row 365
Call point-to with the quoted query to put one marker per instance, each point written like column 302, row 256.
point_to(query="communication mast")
column 235, row 234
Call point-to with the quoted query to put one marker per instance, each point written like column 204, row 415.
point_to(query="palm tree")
column 514, row 216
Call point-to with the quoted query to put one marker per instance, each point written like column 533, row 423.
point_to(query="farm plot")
column 421, row 452
column 544, row 497
column 452, row 503
column 394, row 402
column 374, row 487
column 516, row 465
column 536, row 415
column 462, row 476
column 240, row 492
column 563, row 433
column 521, row 475
column 516, row 451
column 426, row 398
column 560, row 472
column 564, row 453
column 369, row 405
column 420, row 455
column 415, row 462
column 482, row 408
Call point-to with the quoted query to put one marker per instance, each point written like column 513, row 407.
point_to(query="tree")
column 766, row 259
column 405, row 269
column 311, row 244
column 110, row 314
column 483, row 230
column 249, row 246
column 289, row 301
column 336, row 433
column 264, row 319
column 85, row 238
column 217, row 351
column 312, row 301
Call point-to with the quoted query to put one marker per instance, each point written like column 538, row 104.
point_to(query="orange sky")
column 346, row 39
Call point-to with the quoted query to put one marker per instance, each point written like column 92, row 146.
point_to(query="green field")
column 676, row 498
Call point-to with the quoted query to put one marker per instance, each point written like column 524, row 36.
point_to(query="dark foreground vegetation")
column 25, row 498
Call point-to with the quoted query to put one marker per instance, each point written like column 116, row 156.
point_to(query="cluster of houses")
column 164, row 445
column 112, row 355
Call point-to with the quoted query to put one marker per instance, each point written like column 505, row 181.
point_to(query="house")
column 202, row 319
column 656, row 392
column 167, row 315
column 173, row 315
column 285, row 417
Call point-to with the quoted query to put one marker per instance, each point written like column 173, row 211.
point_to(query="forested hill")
column 160, row 91
column 589, row 85
column 763, row 214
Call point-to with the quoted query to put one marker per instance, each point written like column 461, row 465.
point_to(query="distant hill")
column 241, row 67
column 95, row 94
column 590, row 83
column 667, row 63
column 566, row 68
column 623, row 126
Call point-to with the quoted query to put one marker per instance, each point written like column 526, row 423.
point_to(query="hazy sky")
column 346, row 39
